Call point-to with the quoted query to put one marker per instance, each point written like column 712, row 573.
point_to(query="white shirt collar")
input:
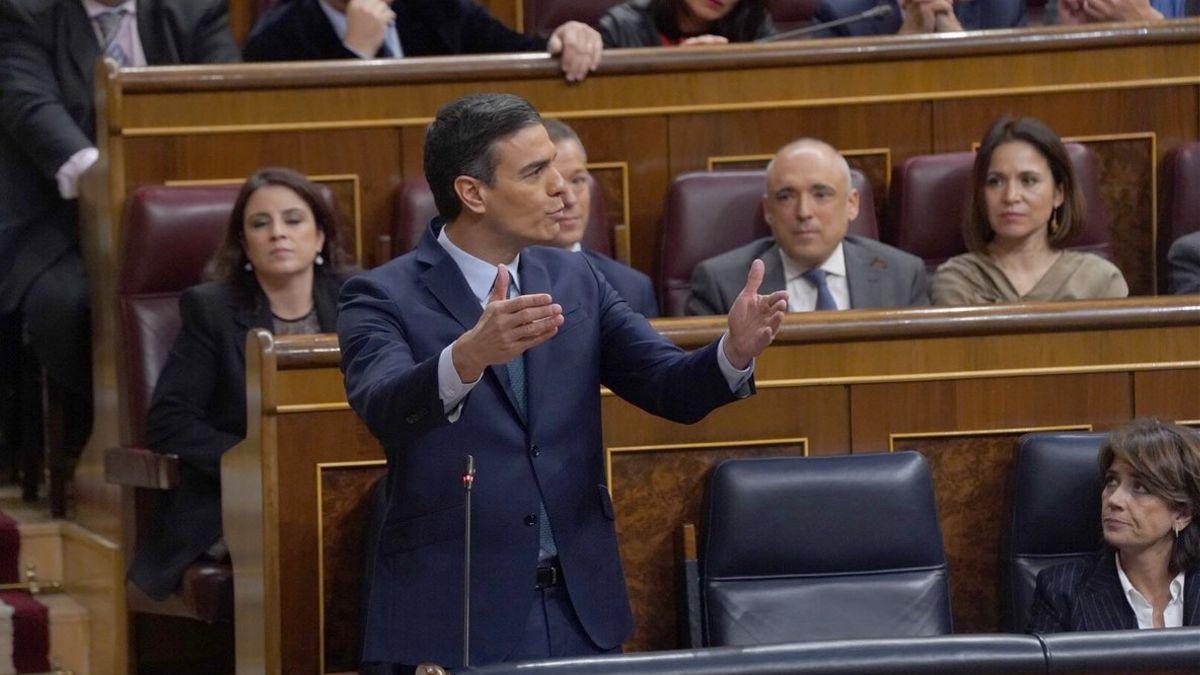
column 576, row 247
column 834, row 265
column 1142, row 608
column 480, row 274
column 94, row 8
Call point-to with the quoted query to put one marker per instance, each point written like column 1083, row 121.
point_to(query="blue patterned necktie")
column 516, row 380
column 816, row 277
column 110, row 24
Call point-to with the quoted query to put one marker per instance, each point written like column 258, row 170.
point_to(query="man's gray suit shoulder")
column 739, row 258
column 891, row 253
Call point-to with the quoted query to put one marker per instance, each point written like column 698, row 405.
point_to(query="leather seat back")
column 1181, row 204
column 823, row 548
column 1055, row 514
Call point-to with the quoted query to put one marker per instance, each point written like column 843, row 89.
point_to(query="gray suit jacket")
column 47, row 52
column 1184, row 257
column 878, row 275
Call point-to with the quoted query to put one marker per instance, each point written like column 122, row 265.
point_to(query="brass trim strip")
column 1190, row 423
column 294, row 408
column 625, row 210
column 321, row 549
column 609, row 451
column 132, row 132
column 892, row 438
column 715, row 160
column 978, row 374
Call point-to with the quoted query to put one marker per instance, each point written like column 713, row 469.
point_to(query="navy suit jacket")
column 1087, row 595
column 47, row 53
column 299, row 30
column 631, row 284
column 973, row 15
column 394, row 323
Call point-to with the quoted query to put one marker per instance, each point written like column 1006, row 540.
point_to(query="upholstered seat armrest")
column 687, row 567
column 141, row 468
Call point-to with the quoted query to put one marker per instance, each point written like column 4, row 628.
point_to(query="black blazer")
column 299, row 31
column 47, row 52
column 1087, row 595
column 198, row 412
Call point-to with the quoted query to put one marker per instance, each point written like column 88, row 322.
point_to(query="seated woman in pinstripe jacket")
column 1148, row 575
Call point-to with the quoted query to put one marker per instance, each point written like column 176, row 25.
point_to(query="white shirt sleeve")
column 451, row 389
column 739, row 380
column 68, row 174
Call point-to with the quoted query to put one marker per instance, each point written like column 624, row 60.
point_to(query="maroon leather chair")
column 543, row 16
column 169, row 235
column 710, row 212
column 929, row 198
column 413, row 208
column 1180, row 213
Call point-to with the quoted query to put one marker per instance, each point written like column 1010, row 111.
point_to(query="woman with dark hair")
column 280, row 268
column 1148, row 575
column 659, row 23
column 1024, row 205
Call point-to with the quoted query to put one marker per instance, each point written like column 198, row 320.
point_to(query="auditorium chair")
column 929, row 199
column 541, row 17
column 1055, row 514
column 1180, row 203
column 824, row 548
column 168, row 236
column 413, row 208
column 707, row 213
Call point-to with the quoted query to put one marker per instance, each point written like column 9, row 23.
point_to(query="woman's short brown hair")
column 977, row 229
column 229, row 263
column 1166, row 458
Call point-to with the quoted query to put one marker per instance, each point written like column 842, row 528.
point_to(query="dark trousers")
column 551, row 630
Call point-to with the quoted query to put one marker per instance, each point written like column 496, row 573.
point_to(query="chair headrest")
column 1056, row 494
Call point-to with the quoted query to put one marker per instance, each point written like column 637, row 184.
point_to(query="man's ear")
column 852, row 205
column 472, row 193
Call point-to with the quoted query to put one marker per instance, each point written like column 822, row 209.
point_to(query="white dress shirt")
column 1144, row 611
column 480, row 276
column 802, row 295
column 391, row 37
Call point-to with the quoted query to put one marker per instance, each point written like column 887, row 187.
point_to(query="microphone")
column 468, row 481
column 876, row 12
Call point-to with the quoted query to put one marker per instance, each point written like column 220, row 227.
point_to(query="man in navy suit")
column 571, row 162
column 311, row 30
column 482, row 342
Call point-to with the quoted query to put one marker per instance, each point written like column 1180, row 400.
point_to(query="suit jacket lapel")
column 862, row 276
column 255, row 315
column 535, row 279
column 1102, row 604
column 1191, row 598
column 157, row 44
column 773, row 278
column 325, row 296
column 80, row 39
column 447, row 284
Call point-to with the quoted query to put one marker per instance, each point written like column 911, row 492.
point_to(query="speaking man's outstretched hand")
column 507, row 327
column 753, row 320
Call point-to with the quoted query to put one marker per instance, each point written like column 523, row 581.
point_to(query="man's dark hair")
column 460, row 141
column 743, row 23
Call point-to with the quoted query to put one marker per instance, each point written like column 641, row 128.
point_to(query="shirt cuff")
column 739, row 380
column 451, row 388
column 68, row 174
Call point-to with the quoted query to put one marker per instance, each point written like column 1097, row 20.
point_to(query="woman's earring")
column 1054, row 224
column 248, row 267
column 320, row 260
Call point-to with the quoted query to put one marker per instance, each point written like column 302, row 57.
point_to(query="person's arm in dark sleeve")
column 704, row 299
column 1184, row 259
column 212, row 41
column 1046, row 612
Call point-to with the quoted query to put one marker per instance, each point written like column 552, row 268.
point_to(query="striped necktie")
column 110, row 25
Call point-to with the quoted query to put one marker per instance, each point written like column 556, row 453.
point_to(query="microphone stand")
column 468, row 481
column 877, row 12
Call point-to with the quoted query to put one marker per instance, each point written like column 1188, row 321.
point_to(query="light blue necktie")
column 110, row 24
column 516, row 380
column 816, row 277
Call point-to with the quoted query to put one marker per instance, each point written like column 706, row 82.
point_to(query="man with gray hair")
column 808, row 205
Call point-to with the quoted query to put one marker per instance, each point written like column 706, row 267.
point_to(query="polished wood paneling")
column 966, row 429
column 345, row 512
column 1172, row 395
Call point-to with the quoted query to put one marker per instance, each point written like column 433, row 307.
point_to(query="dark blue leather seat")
column 1166, row 650
column 1055, row 514
column 822, row 548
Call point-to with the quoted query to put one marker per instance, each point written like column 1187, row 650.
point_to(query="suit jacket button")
column 531, row 519
column 535, row 451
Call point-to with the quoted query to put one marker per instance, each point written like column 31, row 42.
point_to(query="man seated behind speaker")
column 571, row 162
column 920, row 16
column 1098, row 11
column 808, row 205
column 314, row 30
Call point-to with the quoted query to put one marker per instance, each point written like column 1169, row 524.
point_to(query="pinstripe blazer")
column 1087, row 595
